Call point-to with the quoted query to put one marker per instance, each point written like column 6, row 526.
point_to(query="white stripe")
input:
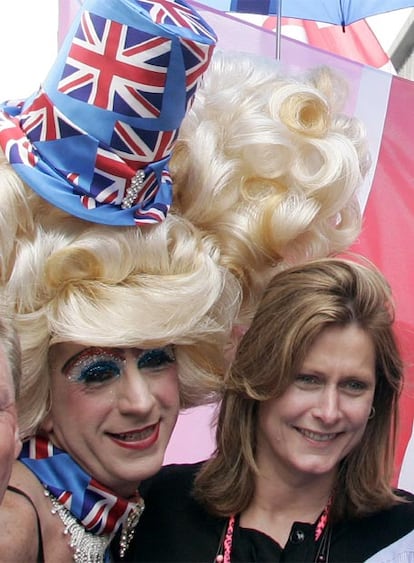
column 406, row 476
column 297, row 32
column 401, row 551
column 371, row 108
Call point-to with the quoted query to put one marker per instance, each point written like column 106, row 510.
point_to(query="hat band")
column 96, row 173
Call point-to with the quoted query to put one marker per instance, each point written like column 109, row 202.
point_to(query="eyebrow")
column 85, row 351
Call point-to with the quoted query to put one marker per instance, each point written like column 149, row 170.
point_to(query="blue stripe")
column 254, row 6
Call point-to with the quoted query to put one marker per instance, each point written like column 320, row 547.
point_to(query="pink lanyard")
column 228, row 538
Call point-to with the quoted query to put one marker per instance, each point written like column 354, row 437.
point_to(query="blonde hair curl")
column 268, row 164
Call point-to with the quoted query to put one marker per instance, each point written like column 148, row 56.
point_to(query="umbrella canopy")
column 340, row 12
column 359, row 43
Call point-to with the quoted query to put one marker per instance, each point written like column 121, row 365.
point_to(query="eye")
column 99, row 371
column 156, row 359
column 307, row 381
column 355, row 386
column 93, row 366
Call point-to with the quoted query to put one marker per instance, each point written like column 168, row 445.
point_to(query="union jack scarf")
column 99, row 509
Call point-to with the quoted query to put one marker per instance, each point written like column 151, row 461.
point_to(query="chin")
column 147, row 469
column 319, row 471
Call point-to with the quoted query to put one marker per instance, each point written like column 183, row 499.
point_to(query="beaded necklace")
column 323, row 534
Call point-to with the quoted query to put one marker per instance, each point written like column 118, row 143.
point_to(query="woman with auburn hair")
column 305, row 435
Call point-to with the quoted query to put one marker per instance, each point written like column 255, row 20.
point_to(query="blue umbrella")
column 339, row 12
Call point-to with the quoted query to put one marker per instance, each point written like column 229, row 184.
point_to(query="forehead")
column 346, row 348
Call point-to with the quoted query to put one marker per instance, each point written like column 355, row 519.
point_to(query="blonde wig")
column 297, row 306
column 269, row 164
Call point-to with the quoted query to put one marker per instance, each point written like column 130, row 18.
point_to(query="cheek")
column 357, row 420
column 289, row 406
column 65, row 397
column 359, row 411
column 167, row 390
column 75, row 403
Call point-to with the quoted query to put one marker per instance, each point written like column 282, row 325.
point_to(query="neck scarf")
column 99, row 509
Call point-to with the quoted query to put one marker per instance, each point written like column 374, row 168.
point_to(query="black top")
column 176, row 529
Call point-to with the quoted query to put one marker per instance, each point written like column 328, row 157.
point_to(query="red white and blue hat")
column 96, row 138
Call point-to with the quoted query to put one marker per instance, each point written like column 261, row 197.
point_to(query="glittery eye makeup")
column 156, row 359
column 95, row 365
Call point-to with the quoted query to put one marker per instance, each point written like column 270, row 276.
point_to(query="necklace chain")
column 87, row 547
column 128, row 530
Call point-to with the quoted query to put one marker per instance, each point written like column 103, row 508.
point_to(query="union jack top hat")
column 96, row 138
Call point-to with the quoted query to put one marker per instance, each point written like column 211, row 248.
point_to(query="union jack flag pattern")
column 14, row 143
column 179, row 14
column 101, row 68
column 138, row 147
column 97, row 507
column 42, row 121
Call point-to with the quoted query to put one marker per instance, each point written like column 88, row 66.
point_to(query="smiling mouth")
column 136, row 435
column 317, row 436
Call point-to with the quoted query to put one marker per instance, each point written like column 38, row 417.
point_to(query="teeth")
column 136, row 436
column 317, row 436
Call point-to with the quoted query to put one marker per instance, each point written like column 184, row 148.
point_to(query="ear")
column 47, row 424
column 237, row 333
column 17, row 443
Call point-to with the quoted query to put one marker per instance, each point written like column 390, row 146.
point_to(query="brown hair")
column 296, row 306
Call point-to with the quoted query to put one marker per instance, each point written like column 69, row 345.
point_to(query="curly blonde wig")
column 269, row 165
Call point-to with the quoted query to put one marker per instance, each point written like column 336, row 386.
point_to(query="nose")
column 328, row 408
column 134, row 392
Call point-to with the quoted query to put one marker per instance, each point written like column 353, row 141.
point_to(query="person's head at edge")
column 10, row 373
column 300, row 307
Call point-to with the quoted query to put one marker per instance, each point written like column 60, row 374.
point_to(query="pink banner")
column 386, row 240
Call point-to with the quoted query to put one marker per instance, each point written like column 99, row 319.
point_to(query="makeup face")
column 113, row 410
column 9, row 441
column 322, row 415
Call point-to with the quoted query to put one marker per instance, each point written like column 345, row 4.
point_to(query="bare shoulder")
column 18, row 519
